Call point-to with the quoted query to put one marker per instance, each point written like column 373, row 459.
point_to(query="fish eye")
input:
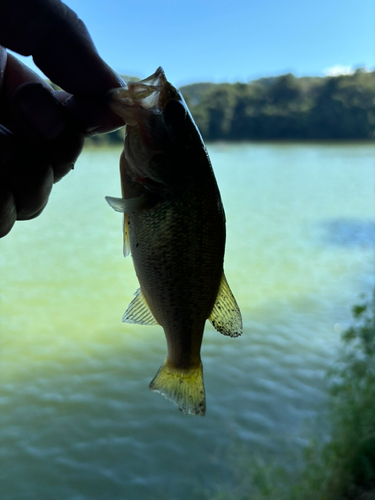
column 175, row 113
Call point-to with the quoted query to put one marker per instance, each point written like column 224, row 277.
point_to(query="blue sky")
column 231, row 40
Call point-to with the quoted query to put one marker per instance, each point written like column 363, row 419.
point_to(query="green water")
column 77, row 421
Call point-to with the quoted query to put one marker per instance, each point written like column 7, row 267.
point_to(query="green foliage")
column 352, row 447
column 344, row 467
column 286, row 107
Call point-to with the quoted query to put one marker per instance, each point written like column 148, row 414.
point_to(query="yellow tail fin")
column 183, row 387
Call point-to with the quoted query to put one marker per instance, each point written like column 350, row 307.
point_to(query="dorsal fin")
column 138, row 311
column 225, row 316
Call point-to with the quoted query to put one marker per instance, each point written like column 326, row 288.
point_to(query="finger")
column 38, row 117
column 7, row 145
column 17, row 74
column 36, row 114
column 26, row 182
column 8, row 211
column 30, row 19
column 59, row 43
column 94, row 114
column 26, row 174
column 63, row 153
column 89, row 114
column 31, row 185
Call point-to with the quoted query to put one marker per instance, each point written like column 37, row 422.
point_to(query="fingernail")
column 37, row 113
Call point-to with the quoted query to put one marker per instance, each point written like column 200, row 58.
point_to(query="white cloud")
column 338, row 69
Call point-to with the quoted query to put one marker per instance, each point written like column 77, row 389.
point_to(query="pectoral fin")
column 138, row 311
column 225, row 316
column 125, row 206
column 128, row 205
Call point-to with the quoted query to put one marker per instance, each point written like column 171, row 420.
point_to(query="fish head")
column 158, row 126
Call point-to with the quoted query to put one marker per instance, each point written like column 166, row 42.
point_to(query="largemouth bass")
column 174, row 227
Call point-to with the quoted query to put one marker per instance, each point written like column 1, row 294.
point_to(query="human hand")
column 41, row 130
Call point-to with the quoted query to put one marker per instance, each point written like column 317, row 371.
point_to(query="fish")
column 174, row 228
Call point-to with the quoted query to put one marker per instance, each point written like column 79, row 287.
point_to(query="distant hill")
column 193, row 93
column 282, row 108
column 286, row 107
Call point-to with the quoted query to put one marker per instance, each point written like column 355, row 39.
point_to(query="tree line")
column 283, row 107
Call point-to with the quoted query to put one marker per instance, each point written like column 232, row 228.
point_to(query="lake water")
column 77, row 421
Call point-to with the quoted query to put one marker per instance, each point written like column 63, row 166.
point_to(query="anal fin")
column 225, row 316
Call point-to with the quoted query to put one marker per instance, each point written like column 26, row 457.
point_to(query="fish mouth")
column 144, row 93
column 154, row 113
column 156, row 80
